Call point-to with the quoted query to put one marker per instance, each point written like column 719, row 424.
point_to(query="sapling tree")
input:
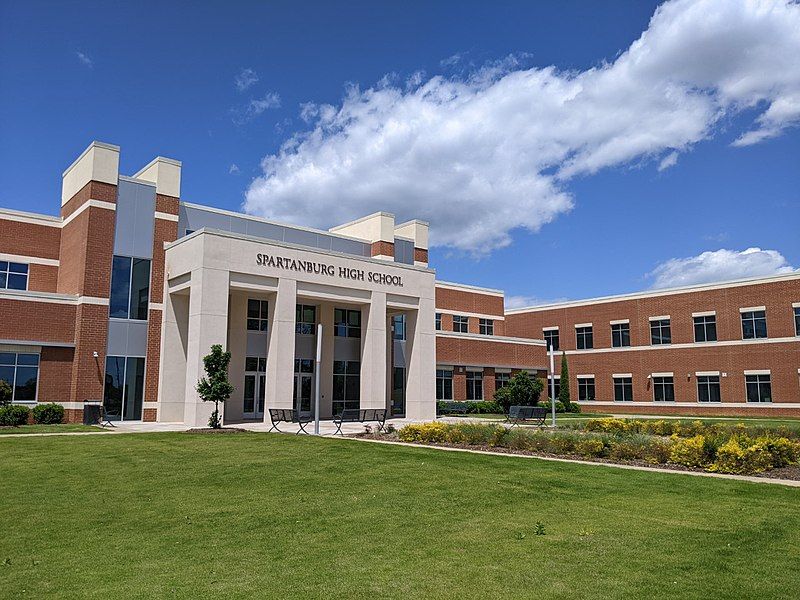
column 215, row 387
column 522, row 390
column 563, row 390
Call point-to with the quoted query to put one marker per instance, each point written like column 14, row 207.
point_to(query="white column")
column 373, row 353
column 208, row 325
column 280, row 355
column 172, row 361
column 421, row 362
column 326, row 372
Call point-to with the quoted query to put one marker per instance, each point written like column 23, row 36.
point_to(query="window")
column 460, row 324
column 346, row 385
column 257, row 314
column 21, row 372
column 557, row 391
column 754, row 324
column 474, row 385
column 501, row 380
column 623, row 389
column 660, row 332
column 305, row 319
column 346, row 323
column 399, row 327
column 585, row 340
column 13, row 276
column 708, row 388
column 663, row 389
column 189, row 232
column 130, row 288
column 486, row 326
column 705, row 328
column 255, row 364
column 444, row 384
column 759, row 388
column 551, row 337
column 124, row 388
column 797, row 320
column 585, row 388
column 438, row 321
column 620, row 335
column 398, row 391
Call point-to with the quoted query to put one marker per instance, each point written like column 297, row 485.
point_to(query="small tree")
column 563, row 390
column 5, row 392
column 215, row 387
column 522, row 390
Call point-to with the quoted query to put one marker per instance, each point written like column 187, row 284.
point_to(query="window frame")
column 343, row 327
column 548, row 338
column 301, row 325
column 474, row 378
column 501, row 380
column 759, row 383
column 659, row 325
column 755, row 320
column 351, row 369
column 660, row 383
column 623, row 383
column 443, row 376
column 460, row 324
column 557, row 379
column 129, row 288
column 6, row 273
column 796, row 311
column 437, row 324
column 624, row 331
column 486, row 326
column 707, row 384
column 582, row 334
column 261, row 321
column 584, row 384
column 15, row 369
column 704, row 322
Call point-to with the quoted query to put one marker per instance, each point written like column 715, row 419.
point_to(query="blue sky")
column 160, row 79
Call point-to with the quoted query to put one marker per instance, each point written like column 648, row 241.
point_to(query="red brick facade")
column 382, row 249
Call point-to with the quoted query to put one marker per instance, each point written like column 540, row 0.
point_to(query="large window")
column 754, row 324
column 551, row 337
column 584, row 337
column 586, row 388
column 797, row 320
column 623, row 389
column 346, row 385
column 346, row 323
column 705, row 328
column 460, row 324
column 557, row 391
column 130, row 288
column 708, row 389
column 660, row 332
column 620, row 335
column 438, row 323
column 399, row 327
column 124, row 388
column 663, row 389
column 474, row 385
column 305, row 319
column 13, row 276
column 759, row 387
column 486, row 326
column 444, row 384
column 257, row 314
column 501, row 380
column 21, row 371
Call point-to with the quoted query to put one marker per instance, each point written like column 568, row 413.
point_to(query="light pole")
column 551, row 352
column 316, row 379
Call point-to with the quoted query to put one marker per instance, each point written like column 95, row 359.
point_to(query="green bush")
column 590, row 447
column 483, row 407
column 521, row 390
column 5, row 393
column 737, row 457
column 783, row 451
column 48, row 414
column 14, row 415
column 689, row 451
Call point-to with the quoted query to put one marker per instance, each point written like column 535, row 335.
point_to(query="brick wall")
column 381, row 248
column 28, row 239
column 55, row 374
column 37, row 321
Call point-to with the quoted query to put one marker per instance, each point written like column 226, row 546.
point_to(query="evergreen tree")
column 563, row 391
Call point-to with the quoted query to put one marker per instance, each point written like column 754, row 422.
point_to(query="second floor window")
column 621, row 335
column 346, row 323
column 257, row 313
column 486, row 326
column 551, row 337
column 660, row 332
column 305, row 319
column 797, row 320
column 13, row 276
column 130, row 288
column 705, row 328
column 460, row 324
column 438, row 323
column 584, row 338
column 399, row 327
column 754, row 324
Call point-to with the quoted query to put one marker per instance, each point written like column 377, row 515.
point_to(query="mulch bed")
column 221, row 430
column 791, row 473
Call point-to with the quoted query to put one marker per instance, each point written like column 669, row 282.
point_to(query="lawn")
column 62, row 428
column 268, row 515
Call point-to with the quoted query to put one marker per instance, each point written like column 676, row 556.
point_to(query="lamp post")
column 316, row 378
column 551, row 352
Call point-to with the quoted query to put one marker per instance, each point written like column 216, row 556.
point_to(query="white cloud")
column 483, row 154
column 719, row 265
column 233, row 169
column 245, row 79
column 670, row 160
column 255, row 107
column 85, row 59
column 526, row 301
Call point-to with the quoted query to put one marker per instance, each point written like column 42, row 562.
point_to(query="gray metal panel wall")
column 403, row 251
column 399, row 353
column 135, row 216
column 346, row 348
column 256, row 344
column 127, row 338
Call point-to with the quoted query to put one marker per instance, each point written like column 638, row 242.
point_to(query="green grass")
column 266, row 515
column 62, row 428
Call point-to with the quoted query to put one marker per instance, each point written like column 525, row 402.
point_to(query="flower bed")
column 720, row 452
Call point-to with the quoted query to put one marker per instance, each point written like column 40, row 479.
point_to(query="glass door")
column 304, row 385
column 254, row 385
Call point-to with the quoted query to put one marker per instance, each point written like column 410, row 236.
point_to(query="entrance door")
column 254, row 384
column 304, row 385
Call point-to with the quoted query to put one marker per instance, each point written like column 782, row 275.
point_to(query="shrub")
column 484, row 407
column 591, row 447
column 735, row 456
column 689, row 451
column 563, row 390
column 48, row 414
column 14, row 415
column 784, row 452
column 432, row 432
column 521, row 390
column 5, row 393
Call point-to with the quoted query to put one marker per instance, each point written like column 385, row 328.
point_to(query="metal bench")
column 360, row 415
column 288, row 415
column 526, row 414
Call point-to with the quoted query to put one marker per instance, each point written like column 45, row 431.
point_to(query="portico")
column 263, row 301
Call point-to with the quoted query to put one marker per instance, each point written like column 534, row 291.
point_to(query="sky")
column 560, row 150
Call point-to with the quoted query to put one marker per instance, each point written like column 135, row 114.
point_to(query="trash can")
column 91, row 414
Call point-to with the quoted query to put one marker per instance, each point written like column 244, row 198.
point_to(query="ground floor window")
column 304, row 383
column 21, row 372
column 346, row 385
column 254, row 382
column 501, row 380
column 474, row 385
column 586, row 388
column 623, row 389
column 444, row 384
column 553, row 381
column 663, row 389
column 124, row 388
column 398, row 391
column 708, row 389
column 759, row 388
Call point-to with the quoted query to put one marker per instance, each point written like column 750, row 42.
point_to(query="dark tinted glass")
column 25, row 387
column 120, row 285
column 140, row 289
column 252, row 308
column 134, row 388
column 112, row 395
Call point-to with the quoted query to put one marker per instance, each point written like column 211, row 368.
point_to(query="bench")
column 360, row 415
column 526, row 414
column 288, row 415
